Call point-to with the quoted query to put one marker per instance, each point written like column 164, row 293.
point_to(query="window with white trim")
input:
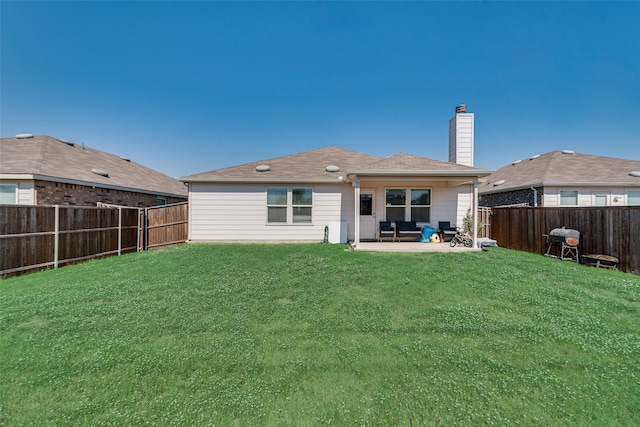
column 301, row 203
column 633, row 198
column 599, row 200
column 289, row 205
column 8, row 194
column 416, row 207
column 568, row 198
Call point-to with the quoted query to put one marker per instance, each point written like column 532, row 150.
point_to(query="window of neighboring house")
column 161, row 201
column 599, row 200
column 8, row 194
column 568, row 198
column 415, row 208
column 289, row 205
column 633, row 198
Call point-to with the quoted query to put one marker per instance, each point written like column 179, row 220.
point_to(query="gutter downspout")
column 535, row 196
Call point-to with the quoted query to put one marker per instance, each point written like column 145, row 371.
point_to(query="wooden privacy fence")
column 37, row 237
column 603, row 230
column 166, row 225
column 484, row 221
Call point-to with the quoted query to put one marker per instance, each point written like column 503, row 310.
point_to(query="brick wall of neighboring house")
column 511, row 198
column 57, row 193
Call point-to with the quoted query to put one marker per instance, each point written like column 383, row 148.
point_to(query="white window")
column 8, row 194
column 633, row 198
column 599, row 200
column 301, row 202
column 568, row 198
column 415, row 208
column 289, row 205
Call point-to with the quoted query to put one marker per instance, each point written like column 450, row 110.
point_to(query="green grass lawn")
column 317, row 335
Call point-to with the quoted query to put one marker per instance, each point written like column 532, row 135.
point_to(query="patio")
column 410, row 247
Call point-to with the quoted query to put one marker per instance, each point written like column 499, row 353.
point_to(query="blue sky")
column 187, row 87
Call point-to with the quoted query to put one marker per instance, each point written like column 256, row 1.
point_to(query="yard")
column 317, row 335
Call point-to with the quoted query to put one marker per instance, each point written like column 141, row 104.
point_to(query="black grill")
column 563, row 243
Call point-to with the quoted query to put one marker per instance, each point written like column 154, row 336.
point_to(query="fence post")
column 145, row 241
column 119, row 231
column 138, row 231
column 56, row 235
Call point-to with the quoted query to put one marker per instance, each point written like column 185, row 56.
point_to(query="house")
column 564, row 178
column 42, row 170
column 300, row 197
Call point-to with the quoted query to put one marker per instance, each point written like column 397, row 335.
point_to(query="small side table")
column 600, row 260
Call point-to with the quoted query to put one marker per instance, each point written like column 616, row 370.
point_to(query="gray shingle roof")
column 557, row 168
column 47, row 157
column 304, row 166
column 312, row 166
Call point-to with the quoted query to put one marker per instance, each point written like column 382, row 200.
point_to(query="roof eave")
column 501, row 189
column 262, row 180
column 419, row 173
column 89, row 184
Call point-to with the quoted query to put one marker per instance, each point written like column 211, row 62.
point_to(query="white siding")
column 239, row 213
column 25, row 189
column 461, row 135
column 586, row 196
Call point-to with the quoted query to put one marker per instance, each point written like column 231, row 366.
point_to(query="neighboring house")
column 564, row 178
column 293, row 198
column 41, row 170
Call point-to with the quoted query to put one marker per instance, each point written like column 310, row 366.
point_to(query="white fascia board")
column 100, row 185
column 262, row 180
column 419, row 173
column 16, row 176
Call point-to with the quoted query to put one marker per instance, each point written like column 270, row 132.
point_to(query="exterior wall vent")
column 332, row 168
column 24, row 136
column 263, row 168
column 100, row 172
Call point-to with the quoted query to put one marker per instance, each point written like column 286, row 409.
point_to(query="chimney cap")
column 462, row 108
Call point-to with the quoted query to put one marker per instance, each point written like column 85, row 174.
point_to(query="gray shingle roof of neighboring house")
column 315, row 166
column 47, row 158
column 560, row 168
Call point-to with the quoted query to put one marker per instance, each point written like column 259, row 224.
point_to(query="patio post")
column 474, row 205
column 356, row 231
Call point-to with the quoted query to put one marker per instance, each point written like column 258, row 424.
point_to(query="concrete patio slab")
column 410, row 247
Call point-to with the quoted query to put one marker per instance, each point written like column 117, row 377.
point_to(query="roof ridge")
column 548, row 167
